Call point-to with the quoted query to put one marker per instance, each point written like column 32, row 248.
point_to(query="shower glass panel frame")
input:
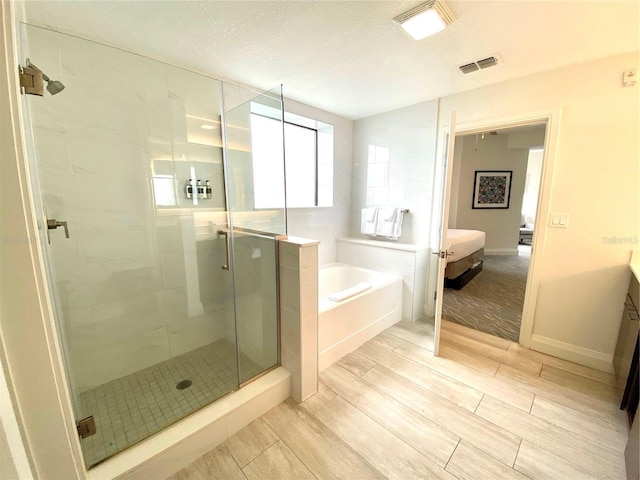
column 255, row 232
column 145, row 314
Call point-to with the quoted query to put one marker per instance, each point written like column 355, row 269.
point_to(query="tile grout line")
column 515, row 459
column 234, row 461
column 452, row 454
column 299, row 459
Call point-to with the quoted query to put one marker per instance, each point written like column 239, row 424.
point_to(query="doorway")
column 441, row 205
column 493, row 201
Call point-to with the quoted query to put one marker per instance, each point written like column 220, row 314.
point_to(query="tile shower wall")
column 139, row 281
column 408, row 136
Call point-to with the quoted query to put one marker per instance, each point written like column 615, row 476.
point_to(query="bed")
column 466, row 251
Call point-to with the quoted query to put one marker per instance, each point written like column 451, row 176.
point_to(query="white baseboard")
column 175, row 447
column 501, row 251
column 573, row 353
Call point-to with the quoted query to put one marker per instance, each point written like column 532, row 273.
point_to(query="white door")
column 441, row 251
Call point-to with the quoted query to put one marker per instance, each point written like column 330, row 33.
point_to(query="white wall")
column 327, row 223
column 410, row 135
column 502, row 226
column 455, row 182
column 596, row 181
column 532, row 185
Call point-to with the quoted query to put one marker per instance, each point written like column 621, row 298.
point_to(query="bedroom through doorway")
column 495, row 186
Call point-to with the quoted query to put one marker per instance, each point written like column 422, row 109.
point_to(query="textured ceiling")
column 348, row 57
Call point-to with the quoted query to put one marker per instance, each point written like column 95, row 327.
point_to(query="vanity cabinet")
column 625, row 360
column 625, row 363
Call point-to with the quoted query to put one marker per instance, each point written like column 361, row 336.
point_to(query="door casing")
column 551, row 118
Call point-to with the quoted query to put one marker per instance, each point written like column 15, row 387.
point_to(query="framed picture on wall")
column 492, row 189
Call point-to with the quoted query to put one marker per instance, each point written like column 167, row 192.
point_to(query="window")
column 308, row 158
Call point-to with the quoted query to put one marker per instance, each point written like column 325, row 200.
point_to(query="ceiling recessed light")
column 425, row 19
column 207, row 126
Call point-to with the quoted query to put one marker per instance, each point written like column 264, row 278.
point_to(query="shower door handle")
column 226, row 266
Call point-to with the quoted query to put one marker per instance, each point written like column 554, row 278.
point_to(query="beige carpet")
column 492, row 301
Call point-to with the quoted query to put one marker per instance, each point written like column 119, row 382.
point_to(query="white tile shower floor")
column 131, row 408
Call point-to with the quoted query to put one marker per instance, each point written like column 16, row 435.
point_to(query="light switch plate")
column 559, row 220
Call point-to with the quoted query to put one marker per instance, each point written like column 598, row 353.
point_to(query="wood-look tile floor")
column 485, row 409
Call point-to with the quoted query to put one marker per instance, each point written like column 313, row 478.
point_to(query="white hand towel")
column 369, row 221
column 397, row 226
column 350, row 292
column 388, row 214
column 390, row 222
column 386, row 221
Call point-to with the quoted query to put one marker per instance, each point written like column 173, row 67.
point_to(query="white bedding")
column 463, row 243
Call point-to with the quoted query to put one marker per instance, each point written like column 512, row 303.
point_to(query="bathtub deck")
column 486, row 408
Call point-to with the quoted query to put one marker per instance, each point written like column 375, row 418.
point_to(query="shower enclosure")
column 162, row 271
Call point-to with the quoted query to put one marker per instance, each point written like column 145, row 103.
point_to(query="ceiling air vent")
column 469, row 67
column 487, row 62
column 480, row 64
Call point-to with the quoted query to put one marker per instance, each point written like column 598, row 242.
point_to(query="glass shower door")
column 254, row 140
column 144, row 313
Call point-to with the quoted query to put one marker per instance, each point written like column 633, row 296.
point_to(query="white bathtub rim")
column 406, row 247
column 382, row 280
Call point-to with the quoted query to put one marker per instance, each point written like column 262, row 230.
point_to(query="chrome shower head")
column 53, row 86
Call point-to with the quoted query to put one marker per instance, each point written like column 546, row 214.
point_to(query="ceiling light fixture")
column 206, row 126
column 425, row 19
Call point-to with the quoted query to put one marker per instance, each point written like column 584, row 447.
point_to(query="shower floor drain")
column 183, row 384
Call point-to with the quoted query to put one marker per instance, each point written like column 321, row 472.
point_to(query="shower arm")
column 44, row 75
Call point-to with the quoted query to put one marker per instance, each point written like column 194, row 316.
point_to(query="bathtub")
column 344, row 326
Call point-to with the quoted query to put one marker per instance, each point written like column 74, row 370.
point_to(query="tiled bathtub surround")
column 393, row 164
column 345, row 325
column 299, row 314
column 408, row 261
